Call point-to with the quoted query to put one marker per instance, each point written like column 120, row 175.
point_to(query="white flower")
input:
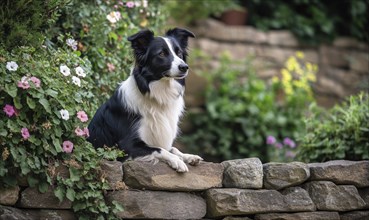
column 113, row 16
column 64, row 114
column 64, row 70
column 76, row 80
column 11, row 66
column 72, row 43
column 80, row 72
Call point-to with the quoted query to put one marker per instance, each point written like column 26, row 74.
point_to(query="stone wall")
column 343, row 65
column 235, row 189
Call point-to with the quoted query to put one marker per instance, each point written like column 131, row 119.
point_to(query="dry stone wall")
column 232, row 190
column 343, row 64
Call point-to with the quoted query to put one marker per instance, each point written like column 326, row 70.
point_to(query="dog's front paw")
column 192, row 159
column 178, row 164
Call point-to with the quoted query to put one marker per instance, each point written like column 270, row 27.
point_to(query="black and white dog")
column 142, row 116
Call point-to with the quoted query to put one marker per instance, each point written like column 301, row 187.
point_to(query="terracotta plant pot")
column 234, row 17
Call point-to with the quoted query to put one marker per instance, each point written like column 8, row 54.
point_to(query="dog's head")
column 160, row 57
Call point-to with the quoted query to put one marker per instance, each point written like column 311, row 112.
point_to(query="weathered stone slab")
column 46, row 214
column 236, row 218
column 112, row 172
column 205, row 175
column 299, row 216
column 282, row 38
column 11, row 213
column 9, row 196
column 355, row 215
column 359, row 61
column 345, row 42
column 342, row 172
column 243, row 173
column 158, row 205
column 331, row 197
column 223, row 202
column 281, row 175
column 333, row 56
column 32, row 198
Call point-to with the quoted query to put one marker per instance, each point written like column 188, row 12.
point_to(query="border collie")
column 142, row 116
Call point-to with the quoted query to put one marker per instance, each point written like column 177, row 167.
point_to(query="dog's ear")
column 181, row 35
column 140, row 42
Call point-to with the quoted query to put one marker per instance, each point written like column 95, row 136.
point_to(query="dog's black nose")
column 183, row 67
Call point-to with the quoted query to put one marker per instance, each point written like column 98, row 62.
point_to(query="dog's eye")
column 162, row 54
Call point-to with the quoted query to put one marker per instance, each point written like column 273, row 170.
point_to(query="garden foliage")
column 52, row 79
column 340, row 133
column 241, row 110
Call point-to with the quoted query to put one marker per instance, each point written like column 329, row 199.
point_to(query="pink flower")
column 87, row 132
column 289, row 142
column 82, row 116
column 271, row 140
column 9, row 110
column 130, row 4
column 25, row 133
column 111, row 67
column 23, row 83
column 79, row 132
column 36, row 81
column 67, row 147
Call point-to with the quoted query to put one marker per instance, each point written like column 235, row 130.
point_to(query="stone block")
column 333, row 56
column 11, row 213
column 32, row 198
column 223, row 202
column 112, row 172
column 236, row 218
column 141, row 175
column 158, row 205
column 299, row 216
column 9, row 196
column 282, row 38
column 342, row 172
column 330, row 86
column 355, row 215
column 282, row 175
column 243, row 173
column 328, row 196
column 359, row 61
column 350, row 43
column 49, row 214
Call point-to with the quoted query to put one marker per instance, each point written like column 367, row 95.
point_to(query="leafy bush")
column 312, row 21
column 188, row 12
column 340, row 133
column 46, row 102
column 242, row 110
column 22, row 22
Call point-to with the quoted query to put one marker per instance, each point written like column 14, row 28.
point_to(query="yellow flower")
column 300, row 55
column 286, row 76
column 275, row 79
column 291, row 63
column 144, row 22
column 311, row 77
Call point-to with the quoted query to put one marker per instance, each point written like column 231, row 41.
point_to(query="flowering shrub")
column 46, row 102
column 243, row 110
column 283, row 151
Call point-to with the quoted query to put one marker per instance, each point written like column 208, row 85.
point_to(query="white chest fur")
column 160, row 110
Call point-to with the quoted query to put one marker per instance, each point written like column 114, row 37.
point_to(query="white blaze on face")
column 174, row 69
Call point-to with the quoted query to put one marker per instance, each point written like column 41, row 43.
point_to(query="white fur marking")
column 174, row 70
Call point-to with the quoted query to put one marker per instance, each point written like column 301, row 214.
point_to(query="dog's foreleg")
column 188, row 158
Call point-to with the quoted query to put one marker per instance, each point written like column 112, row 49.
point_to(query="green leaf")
column 17, row 102
column 31, row 103
column 45, row 104
column 11, row 90
column 71, row 194
column 43, row 187
column 74, row 174
column 51, row 93
column 59, row 193
column 32, row 181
